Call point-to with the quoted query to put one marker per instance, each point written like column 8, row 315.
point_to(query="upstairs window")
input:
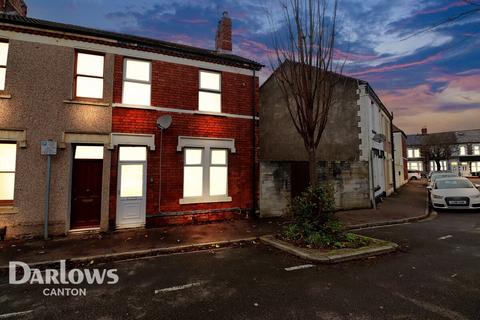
column 137, row 78
column 209, row 95
column 8, row 154
column 463, row 150
column 414, row 153
column 476, row 150
column 3, row 63
column 89, row 75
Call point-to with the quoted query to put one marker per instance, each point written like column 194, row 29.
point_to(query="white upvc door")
column 132, row 187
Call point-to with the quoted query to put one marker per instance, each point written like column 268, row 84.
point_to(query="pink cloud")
column 194, row 21
column 442, row 9
column 394, row 67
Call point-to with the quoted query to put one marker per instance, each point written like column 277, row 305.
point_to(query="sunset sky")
column 430, row 79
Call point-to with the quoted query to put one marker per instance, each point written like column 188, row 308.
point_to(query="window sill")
column 207, row 113
column 88, row 103
column 8, row 210
column 5, row 96
column 198, row 200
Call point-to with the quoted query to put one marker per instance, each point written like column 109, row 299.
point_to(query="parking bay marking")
column 445, row 237
column 303, row 266
column 14, row 314
column 177, row 288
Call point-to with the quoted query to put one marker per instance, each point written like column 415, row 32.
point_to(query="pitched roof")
column 461, row 136
column 134, row 42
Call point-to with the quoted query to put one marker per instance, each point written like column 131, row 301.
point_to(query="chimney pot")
column 223, row 41
column 424, row 130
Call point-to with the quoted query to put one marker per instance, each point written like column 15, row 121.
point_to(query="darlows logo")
column 21, row 273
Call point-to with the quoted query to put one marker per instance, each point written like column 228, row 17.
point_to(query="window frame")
column 75, row 75
column 125, row 79
column 465, row 147
column 10, row 202
column 414, row 151
column 6, row 64
column 200, row 89
column 206, row 164
column 210, row 165
column 476, row 149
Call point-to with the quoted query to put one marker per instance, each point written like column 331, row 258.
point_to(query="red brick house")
column 206, row 168
column 101, row 94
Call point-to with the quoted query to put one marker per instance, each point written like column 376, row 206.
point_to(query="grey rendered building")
column 359, row 166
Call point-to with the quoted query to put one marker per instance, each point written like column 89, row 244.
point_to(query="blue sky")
column 431, row 79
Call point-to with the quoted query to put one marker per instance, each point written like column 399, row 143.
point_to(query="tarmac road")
column 435, row 275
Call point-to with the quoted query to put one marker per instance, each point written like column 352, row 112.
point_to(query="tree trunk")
column 312, row 168
column 439, row 167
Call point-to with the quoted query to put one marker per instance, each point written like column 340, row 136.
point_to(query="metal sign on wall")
column 48, row 147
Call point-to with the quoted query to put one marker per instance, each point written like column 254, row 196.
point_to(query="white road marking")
column 14, row 314
column 445, row 237
column 304, row 266
column 176, row 288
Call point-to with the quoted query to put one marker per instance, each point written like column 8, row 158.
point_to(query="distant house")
column 464, row 147
column 355, row 152
column 400, row 156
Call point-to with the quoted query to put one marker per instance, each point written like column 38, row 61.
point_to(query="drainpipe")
column 254, row 167
column 394, row 169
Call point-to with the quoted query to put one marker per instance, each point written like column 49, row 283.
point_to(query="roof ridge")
column 140, row 41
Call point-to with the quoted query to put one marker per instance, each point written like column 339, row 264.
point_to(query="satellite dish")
column 164, row 122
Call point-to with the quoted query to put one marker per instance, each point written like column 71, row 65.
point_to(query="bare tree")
column 304, row 68
column 440, row 146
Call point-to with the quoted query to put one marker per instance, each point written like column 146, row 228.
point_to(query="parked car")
column 454, row 193
column 414, row 175
column 432, row 174
column 441, row 175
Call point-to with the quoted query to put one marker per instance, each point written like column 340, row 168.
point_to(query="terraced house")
column 146, row 131
column 456, row 151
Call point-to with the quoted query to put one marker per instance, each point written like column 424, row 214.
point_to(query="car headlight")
column 475, row 197
column 437, row 197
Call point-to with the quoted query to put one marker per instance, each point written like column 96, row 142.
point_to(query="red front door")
column 86, row 193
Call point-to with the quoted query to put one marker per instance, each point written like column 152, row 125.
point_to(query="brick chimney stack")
column 223, row 41
column 16, row 7
column 424, row 131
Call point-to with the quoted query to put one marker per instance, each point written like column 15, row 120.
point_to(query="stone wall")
column 349, row 178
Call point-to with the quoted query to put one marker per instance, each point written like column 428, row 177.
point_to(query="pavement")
column 408, row 204
column 434, row 276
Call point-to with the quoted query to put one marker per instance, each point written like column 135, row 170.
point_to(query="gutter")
column 394, row 169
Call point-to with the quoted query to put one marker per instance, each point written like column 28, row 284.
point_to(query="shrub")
column 314, row 221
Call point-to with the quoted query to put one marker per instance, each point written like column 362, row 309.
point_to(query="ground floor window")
column 8, row 156
column 475, row 166
column 205, row 175
column 415, row 166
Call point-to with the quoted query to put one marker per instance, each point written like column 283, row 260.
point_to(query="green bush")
column 314, row 222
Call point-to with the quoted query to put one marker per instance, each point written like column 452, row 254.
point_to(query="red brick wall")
column 176, row 86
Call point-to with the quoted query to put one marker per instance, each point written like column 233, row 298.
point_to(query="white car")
column 432, row 174
column 414, row 175
column 454, row 193
column 441, row 175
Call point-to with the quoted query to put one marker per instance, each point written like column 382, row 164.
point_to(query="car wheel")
column 414, row 178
